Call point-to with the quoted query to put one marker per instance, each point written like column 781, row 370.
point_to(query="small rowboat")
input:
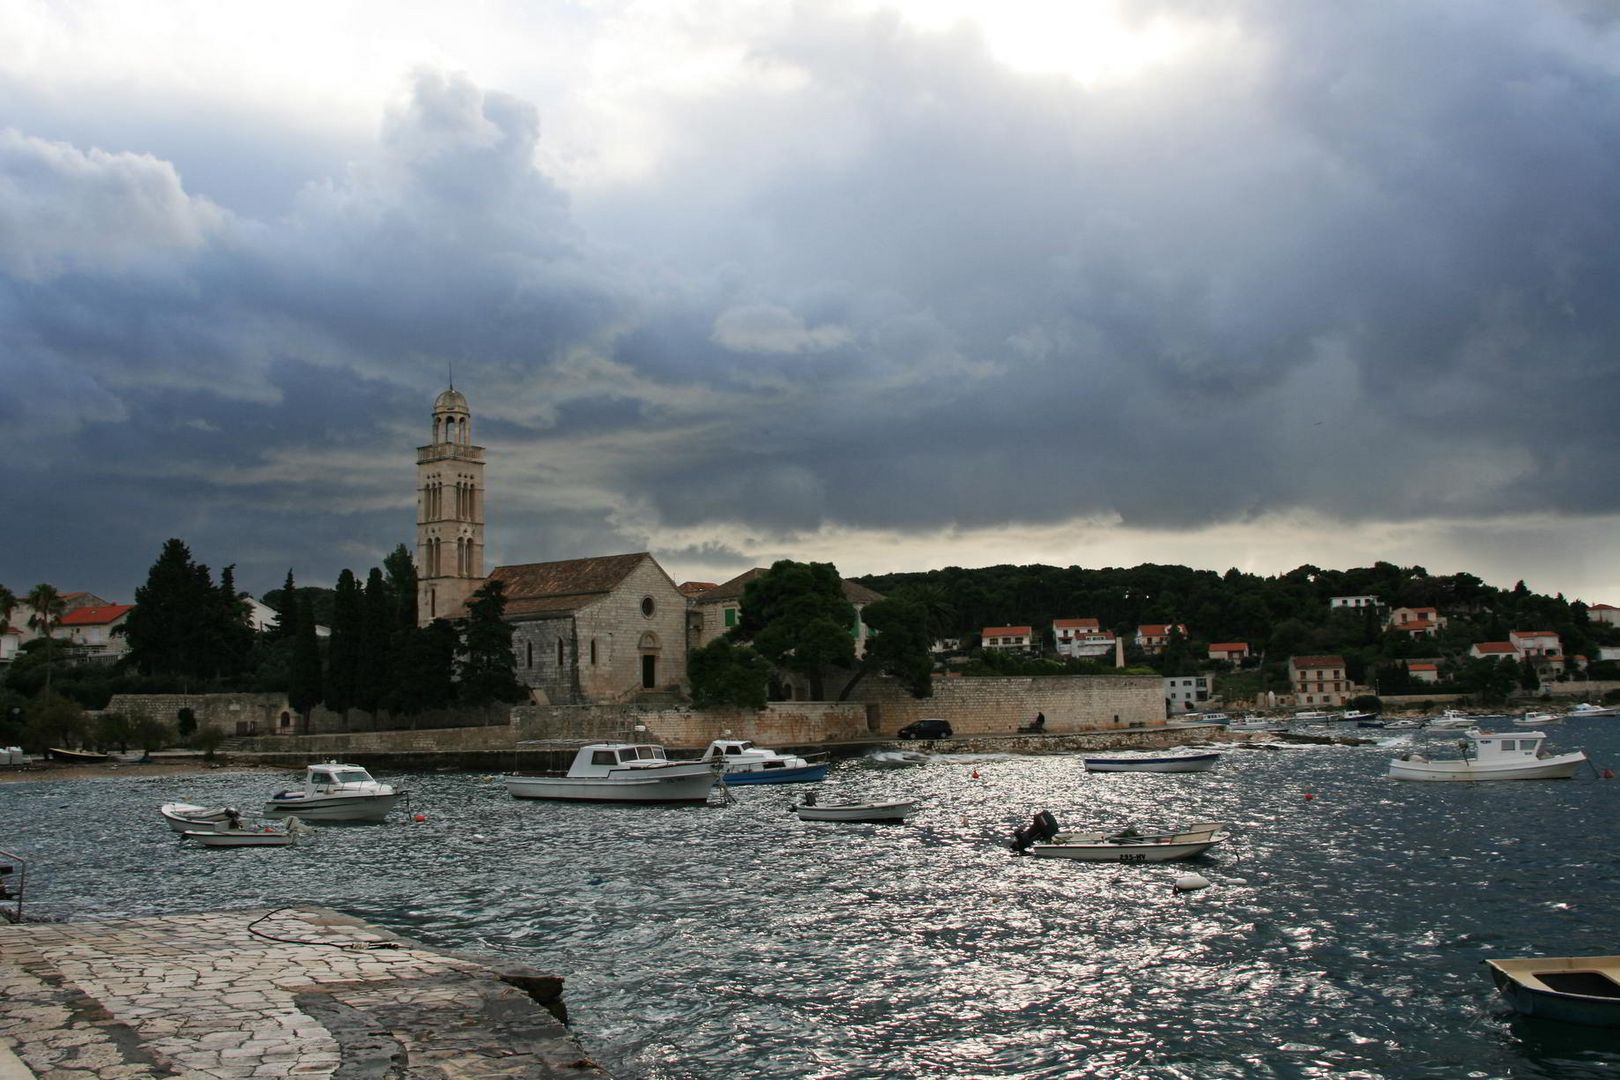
column 810, row 810
column 1154, row 763
column 1574, row 989
column 235, row 838
column 76, row 757
column 1042, row 839
column 186, row 816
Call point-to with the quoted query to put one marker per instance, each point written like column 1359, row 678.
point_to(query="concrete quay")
column 304, row 992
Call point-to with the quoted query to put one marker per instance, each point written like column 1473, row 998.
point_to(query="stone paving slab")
column 285, row 992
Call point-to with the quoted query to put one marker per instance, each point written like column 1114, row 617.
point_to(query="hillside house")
column 1542, row 649
column 93, row 630
column 1151, row 638
column 1353, row 602
column 1320, row 680
column 1081, row 638
column 1423, row 671
column 1493, row 650
column 1604, row 613
column 1007, row 638
column 1184, row 693
column 1233, row 652
column 1415, row 621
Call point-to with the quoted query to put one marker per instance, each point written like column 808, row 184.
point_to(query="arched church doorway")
column 649, row 649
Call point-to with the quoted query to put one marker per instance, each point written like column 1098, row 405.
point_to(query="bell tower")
column 449, row 512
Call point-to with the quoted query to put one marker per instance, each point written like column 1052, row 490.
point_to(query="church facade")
column 584, row 631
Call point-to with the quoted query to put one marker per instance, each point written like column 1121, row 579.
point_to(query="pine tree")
column 401, row 571
column 286, row 610
column 488, row 670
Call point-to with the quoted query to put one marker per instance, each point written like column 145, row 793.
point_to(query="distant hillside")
column 1285, row 615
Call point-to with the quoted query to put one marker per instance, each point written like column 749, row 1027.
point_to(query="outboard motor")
column 1043, row 827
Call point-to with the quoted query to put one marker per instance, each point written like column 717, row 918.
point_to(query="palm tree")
column 49, row 607
column 8, row 604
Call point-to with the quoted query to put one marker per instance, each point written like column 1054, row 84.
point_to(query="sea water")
column 1342, row 934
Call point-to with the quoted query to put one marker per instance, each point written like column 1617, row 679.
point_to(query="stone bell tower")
column 449, row 512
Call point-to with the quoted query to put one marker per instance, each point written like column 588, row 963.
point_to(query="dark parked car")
column 927, row 729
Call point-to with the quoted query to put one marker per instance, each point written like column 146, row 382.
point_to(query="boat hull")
column 682, row 788
column 334, row 808
column 868, row 812
column 1178, row 763
column 1521, row 984
column 230, row 838
column 1561, row 767
column 1127, row 853
column 803, row 775
column 183, row 817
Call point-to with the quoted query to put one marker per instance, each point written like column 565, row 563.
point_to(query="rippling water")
column 1342, row 936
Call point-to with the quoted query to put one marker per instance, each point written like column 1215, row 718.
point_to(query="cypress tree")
column 488, row 670
column 304, row 680
column 343, row 650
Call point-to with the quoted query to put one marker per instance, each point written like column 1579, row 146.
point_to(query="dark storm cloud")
column 1351, row 259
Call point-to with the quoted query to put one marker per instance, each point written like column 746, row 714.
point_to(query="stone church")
column 585, row 631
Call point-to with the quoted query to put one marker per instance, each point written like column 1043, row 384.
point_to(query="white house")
column 1416, row 621
column 1153, row 637
column 1423, row 671
column 1604, row 613
column 92, row 629
column 1320, row 680
column 1337, row 602
column 1233, row 652
column 1007, row 637
column 1081, row 638
column 1184, row 693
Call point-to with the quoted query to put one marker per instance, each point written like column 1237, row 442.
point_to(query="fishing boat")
column 1360, row 718
column 76, row 757
column 1452, row 718
column 1588, row 709
column 1156, row 763
column 1402, row 725
column 1531, row 719
column 1254, row 722
column 1209, row 718
column 1574, row 989
column 1311, row 716
column 621, row 772
column 266, row 836
column 1043, row 839
column 1505, row 755
column 877, row 812
column 896, row 759
column 334, row 791
column 183, row 817
column 746, row 763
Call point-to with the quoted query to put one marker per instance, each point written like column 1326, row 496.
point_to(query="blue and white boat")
column 1163, row 763
column 749, row 764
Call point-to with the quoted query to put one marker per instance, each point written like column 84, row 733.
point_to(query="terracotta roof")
column 1158, row 629
column 96, row 616
column 1532, row 633
column 1228, row 646
column 1422, row 667
column 557, row 587
column 1495, row 647
column 1603, row 607
column 1300, row 663
column 1007, row 631
column 733, row 590
column 1075, row 624
column 694, row 588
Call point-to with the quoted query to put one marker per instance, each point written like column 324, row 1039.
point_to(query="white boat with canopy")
column 1501, row 755
column 334, row 791
column 621, row 772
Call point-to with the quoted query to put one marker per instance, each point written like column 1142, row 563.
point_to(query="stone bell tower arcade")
column 449, row 512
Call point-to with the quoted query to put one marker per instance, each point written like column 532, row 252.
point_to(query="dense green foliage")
column 1280, row 616
column 185, row 628
column 486, row 666
column 723, row 673
column 898, row 646
column 795, row 615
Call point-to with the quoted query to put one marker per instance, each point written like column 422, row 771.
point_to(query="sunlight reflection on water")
column 1341, row 937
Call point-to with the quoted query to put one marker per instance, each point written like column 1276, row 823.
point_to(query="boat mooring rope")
column 352, row 946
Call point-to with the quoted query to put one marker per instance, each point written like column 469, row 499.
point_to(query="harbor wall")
column 985, row 706
column 781, row 723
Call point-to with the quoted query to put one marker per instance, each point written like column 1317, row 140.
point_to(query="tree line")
column 189, row 634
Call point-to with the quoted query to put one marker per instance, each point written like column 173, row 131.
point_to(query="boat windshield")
column 352, row 776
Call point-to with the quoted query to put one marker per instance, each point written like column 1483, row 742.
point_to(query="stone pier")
column 298, row 991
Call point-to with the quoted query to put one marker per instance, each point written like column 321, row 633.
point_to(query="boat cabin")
column 721, row 748
column 598, row 759
column 332, row 776
column 1507, row 745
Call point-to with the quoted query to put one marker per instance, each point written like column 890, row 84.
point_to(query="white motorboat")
column 1531, row 719
column 1254, row 722
column 184, row 817
column 1043, row 839
column 1452, row 718
column 896, row 759
column 1503, row 755
column 335, row 792
column 1156, row 763
column 1209, row 718
column 1573, row 989
column 878, row 812
column 746, row 763
column 1402, row 725
column 266, row 836
column 1588, row 709
column 621, row 772
column 1310, row 716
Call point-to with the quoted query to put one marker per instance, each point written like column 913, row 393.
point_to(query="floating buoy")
column 1608, row 774
column 420, row 817
column 1189, row 882
column 1309, row 796
column 974, row 774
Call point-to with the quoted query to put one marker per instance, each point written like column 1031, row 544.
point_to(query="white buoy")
column 1189, row 882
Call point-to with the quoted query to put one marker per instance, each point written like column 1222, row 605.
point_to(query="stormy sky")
column 1253, row 284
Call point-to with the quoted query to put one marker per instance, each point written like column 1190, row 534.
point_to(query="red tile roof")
column 540, row 588
column 695, row 588
column 96, row 616
column 1158, row 629
column 1229, row 646
column 1007, row 631
column 1300, row 663
column 1422, row 667
column 1495, row 647
column 1075, row 624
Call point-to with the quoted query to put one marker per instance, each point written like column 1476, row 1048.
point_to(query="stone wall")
column 782, row 723
column 233, row 714
column 1003, row 704
column 425, row 740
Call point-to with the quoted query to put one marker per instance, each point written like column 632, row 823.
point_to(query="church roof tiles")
column 560, row 587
